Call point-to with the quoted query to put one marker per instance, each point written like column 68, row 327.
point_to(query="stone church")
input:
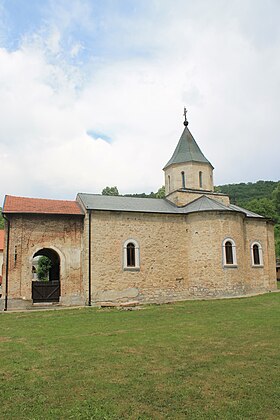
column 192, row 244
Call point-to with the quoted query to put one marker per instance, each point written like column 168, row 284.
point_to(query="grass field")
column 193, row 360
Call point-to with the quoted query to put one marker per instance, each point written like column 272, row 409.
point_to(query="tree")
column 276, row 198
column 44, row 265
column 110, row 191
column 1, row 219
column 160, row 192
column 263, row 206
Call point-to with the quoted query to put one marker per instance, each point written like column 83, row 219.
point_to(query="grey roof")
column 205, row 203
column 247, row 212
column 153, row 205
column 187, row 150
column 119, row 203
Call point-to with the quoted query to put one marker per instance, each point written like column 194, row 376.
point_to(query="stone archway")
column 48, row 290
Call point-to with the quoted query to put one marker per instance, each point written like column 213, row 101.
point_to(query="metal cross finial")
column 185, row 115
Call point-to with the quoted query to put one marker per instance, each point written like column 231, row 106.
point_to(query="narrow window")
column 256, row 254
column 200, row 179
column 229, row 253
column 168, row 183
column 183, row 179
column 130, row 255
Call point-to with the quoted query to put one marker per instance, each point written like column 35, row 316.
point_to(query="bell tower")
column 188, row 171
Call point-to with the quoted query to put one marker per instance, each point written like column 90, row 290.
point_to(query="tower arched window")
column 256, row 254
column 200, row 179
column 183, row 179
column 131, row 255
column 229, row 253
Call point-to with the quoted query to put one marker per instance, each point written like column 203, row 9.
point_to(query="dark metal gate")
column 46, row 291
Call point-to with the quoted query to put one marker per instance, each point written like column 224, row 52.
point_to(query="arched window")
column 183, row 179
column 200, row 179
column 229, row 252
column 256, row 254
column 131, row 255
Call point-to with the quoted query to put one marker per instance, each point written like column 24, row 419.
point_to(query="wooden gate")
column 46, row 291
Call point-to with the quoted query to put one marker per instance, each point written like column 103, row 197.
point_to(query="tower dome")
column 188, row 168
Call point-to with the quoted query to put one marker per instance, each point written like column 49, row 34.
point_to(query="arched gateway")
column 47, row 290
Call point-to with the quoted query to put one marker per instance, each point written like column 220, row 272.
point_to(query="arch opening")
column 54, row 271
column 48, row 288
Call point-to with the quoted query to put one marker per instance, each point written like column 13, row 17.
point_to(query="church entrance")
column 45, row 276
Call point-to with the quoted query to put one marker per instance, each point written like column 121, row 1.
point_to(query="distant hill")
column 244, row 192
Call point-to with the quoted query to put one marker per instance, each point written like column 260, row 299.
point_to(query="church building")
column 192, row 244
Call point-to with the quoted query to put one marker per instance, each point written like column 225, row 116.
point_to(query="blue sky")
column 92, row 92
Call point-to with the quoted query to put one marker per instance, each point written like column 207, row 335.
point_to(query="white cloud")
column 195, row 56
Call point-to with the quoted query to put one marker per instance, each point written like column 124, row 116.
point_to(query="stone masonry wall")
column 260, row 277
column 181, row 198
column 180, row 256
column 191, row 170
column 29, row 234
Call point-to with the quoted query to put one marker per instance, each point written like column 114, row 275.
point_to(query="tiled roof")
column 187, row 150
column 40, row 206
column 2, row 234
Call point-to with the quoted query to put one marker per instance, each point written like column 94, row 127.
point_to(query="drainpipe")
column 89, row 258
column 7, row 263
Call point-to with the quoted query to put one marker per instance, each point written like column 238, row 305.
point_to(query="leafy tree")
column 44, row 265
column 1, row 219
column 263, row 206
column 245, row 192
column 276, row 198
column 110, row 191
column 277, row 239
column 160, row 192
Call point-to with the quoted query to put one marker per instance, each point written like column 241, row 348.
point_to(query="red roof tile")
column 40, row 206
column 2, row 234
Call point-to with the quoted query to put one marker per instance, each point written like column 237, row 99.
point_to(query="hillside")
column 245, row 192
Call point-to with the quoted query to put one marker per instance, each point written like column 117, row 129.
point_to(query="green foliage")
column 142, row 195
column 160, row 192
column 1, row 219
column 245, row 192
column 277, row 239
column 44, row 265
column 220, row 362
column 110, row 191
column 263, row 206
column 276, row 198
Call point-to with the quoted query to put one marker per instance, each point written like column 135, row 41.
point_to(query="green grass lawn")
column 192, row 360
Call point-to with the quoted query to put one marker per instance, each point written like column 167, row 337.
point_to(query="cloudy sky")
column 92, row 91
